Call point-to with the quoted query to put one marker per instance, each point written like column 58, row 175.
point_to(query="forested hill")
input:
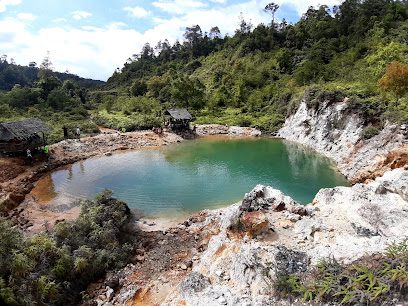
column 260, row 69
column 252, row 78
column 11, row 74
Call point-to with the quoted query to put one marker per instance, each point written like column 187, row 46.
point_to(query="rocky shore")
column 334, row 130
column 218, row 129
column 231, row 256
column 238, row 251
column 18, row 177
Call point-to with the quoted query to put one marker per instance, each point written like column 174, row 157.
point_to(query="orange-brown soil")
column 18, row 176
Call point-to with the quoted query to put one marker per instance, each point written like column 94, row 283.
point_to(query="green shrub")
column 132, row 122
column 86, row 126
column 53, row 268
column 269, row 123
column 369, row 132
column 371, row 280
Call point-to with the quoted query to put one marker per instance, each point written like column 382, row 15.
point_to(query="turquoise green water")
column 200, row 174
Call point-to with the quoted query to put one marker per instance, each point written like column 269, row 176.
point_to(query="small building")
column 18, row 136
column 177, row 119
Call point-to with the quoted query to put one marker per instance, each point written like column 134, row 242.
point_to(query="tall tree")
column 215, row 32
column 193, row 34
column 45, row 67
column 244, row 27
column 194, row 37
column 395, row 79
column 271, row 8
column 147, row 51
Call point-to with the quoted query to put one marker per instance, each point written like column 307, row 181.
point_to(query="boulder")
column 193, row 284
column 255, row 223
column 263, row 198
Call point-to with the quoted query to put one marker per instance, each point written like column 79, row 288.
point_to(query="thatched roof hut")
column 22, row 134
column 178, row 119
column 178, row 114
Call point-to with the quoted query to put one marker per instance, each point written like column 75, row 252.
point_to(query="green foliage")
column 76, row 117
column 131, row 122
column 370, row 280
column 369, row 132
column 286, row 284
column 258, row 72
column 11, row 74
column 139, row 88
column 398, row 251
column 53, row 268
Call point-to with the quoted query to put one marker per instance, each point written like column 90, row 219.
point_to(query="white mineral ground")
column 208, row 260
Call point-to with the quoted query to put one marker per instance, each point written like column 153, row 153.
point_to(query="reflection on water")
column 195, row 175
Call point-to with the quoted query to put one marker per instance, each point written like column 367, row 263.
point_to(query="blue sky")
column 91, row 38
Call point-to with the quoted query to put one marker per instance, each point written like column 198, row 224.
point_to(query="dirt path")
column 18, row 178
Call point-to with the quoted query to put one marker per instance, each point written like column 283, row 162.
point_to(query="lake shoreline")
column 16, row 185
column 270, row 236
column 32, row 215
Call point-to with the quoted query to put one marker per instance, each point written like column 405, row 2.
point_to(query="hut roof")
column 181, row 113
column 22, row 129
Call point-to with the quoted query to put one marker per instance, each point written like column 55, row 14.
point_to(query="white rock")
column 336, row 133
column 222, row 300
column 109, row 294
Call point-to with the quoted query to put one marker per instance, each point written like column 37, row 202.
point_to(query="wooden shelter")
column 18, row 136
column 177, row 118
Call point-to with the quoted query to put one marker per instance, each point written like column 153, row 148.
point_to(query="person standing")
column 30, row 157
column 78, row 133
column 46, row 153
column 65, row 132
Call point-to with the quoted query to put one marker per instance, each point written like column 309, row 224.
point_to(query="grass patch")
column 370, row 280
column 238, row 117
column 131, row 122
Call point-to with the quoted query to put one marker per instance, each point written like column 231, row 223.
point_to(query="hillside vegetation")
column 53, row 267
column 254, row 78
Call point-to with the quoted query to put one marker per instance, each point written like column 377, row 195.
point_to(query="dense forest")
column 255, row 77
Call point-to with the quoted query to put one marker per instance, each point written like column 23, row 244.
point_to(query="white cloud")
column 88, row 51
column 60, row 20
column 226, row 19
column 5, row 3
column 81, row 14
column 95, row 52
column 302, row 6
column 137, row 11
column 179, row 6
column 26, row 16
column 92, row 29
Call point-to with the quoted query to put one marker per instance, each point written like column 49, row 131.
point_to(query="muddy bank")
column 17, row 177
